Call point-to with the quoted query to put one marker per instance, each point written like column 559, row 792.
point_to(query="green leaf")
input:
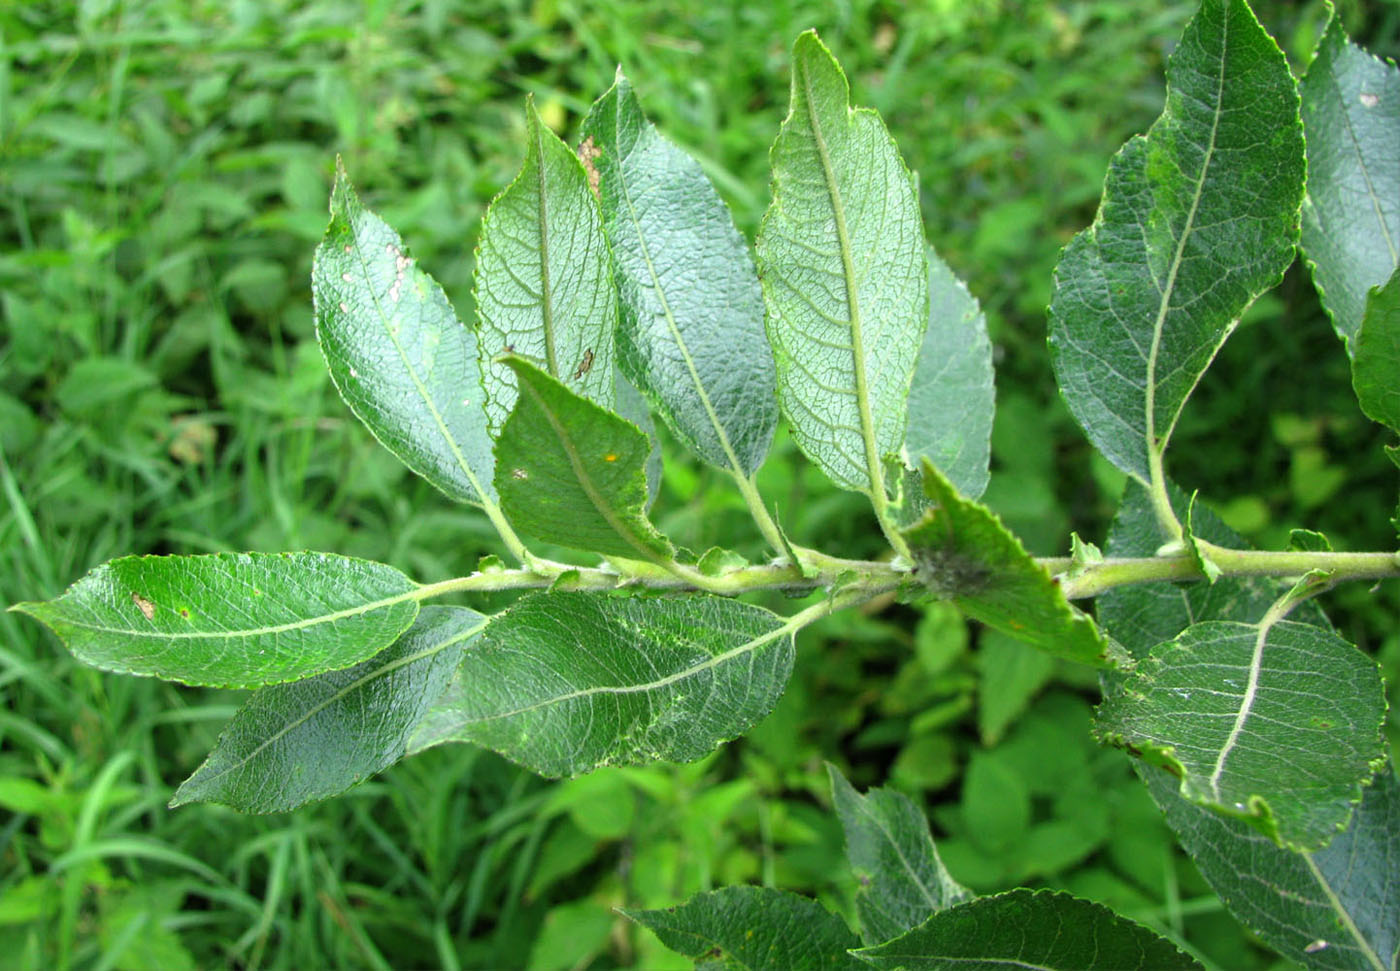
column 845, row 277
column 295, row 743
column 1010, row 676
column 691, row 335
column 1336, row 908
column 1041, row 929
column 573, row 473
column 237, row 620
column 1351, row 219
column 1375, row 364
column 1276, row 722
column 543, row 282
column 902, row 880
column 564, row 683
column 397, row 353
column 630, row 404
column 952, row 400
column 752, row 928
column 962, row 552
column 1198, row 218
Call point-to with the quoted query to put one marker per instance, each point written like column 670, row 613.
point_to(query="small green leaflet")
column 1335, row 909
column 754, row 929
column 902, row 882
column 277, row 617
column 1198, row 218
column 1375, row 363
column 1275, row 722
column 396, row 351
column 962, row 552
column 564, row 683
column 691, row 336
column 295, row 743
column 952, row 398
column 543, row 280
column 573, row 473
column 845, row 277
column 1351, row 219
column 1041, row 929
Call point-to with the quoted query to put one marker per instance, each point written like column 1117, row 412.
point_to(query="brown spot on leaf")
column 584, row 365
column 148, row 609
column 588, row 152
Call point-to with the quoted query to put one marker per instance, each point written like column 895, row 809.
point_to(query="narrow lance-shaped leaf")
column 746, row 928
column 573, row 473
column 952, row 399
column 1337, row 908
column 691, row 334
column 397, row 353
column 1276, row 722
column 543, row 281
column 237, row 620
column 1040, row 929
column 845, row 279
column 295, row 743
column 1198, row 218
column 1375, row 364
column 964, row 553
column 564, row 683
column 1351, row 219
column 902, row 880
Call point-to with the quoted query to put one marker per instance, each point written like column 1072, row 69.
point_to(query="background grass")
column 164, row 168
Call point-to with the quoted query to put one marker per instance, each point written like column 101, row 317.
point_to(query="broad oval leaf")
column 573, row 473
column 238, row 620
column 1198, row 218
column 747, row 928
column 691, row 335
column 845, row 279
column 397, row 353
column 1337, row 908
column 1375, row 363
column 565, row 683
column 1042, row 929
column 543, row 282
column 902, row 881
column 1279, row 723
column 1351, row 219
column 962, row 552
column 952, row 399
column 291, row 744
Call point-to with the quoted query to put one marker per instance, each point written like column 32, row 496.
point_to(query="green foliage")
column 161, row 391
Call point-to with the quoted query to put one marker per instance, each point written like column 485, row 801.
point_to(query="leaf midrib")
column 1344, row 915
column 873, row 467
column 1155, row 449
column 343, row 692
column 899, row 851
column 1361, row 163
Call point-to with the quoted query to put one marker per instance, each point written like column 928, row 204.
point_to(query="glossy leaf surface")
column 1198, row 218
column 748, row 928
column 237, row 620
column 573, row 473
column 543, row 280
column 291, row 744
column 1276, row 722
column 841, row 252
column 564, row 683
column 964, row 553
column 397, row 353
column 1351, row 219
column 902, row 882
column 691, row 336
column 1038, row 929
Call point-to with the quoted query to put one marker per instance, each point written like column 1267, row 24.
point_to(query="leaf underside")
column 1198, row 218
column 845, row 279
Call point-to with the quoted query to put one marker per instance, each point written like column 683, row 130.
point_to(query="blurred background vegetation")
column 164, row 169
